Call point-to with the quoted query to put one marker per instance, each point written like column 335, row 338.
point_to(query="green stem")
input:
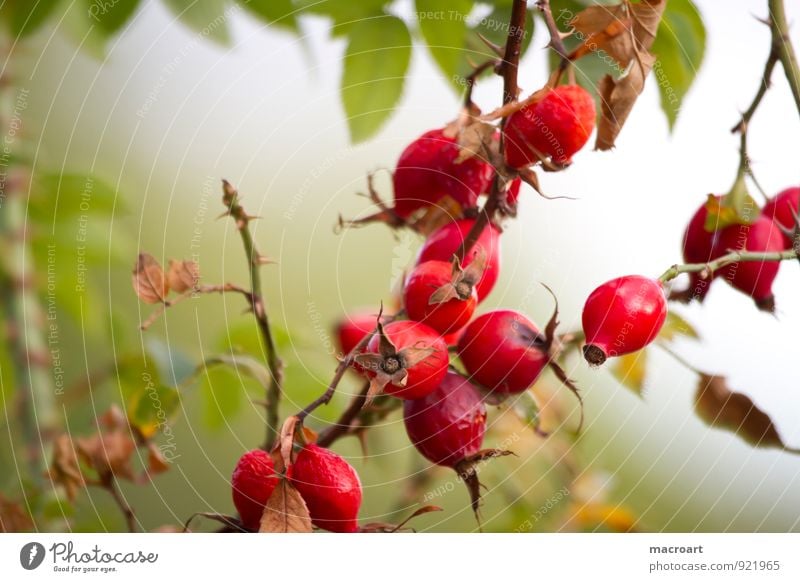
column 730, row 258
column 255, row 260
column 783, row 45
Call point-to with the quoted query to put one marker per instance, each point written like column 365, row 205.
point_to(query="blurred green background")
column 161, row 113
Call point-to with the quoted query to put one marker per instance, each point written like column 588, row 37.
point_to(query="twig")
column 556, row 40
column 508, row 69
column 203, row 290
column 274, row 364
column 783, row 45
column 728, row 259
column 130, row 516
column 344, row 423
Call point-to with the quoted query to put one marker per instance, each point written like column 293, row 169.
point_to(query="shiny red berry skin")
column 444, row 242
column 752, row 277
column 782, row 209
column 330, row 487
column 253, row 482
column 622, row 316
column 503, row 351
column 423, row 376
column 446, row 317
column 447, row 425
column 699, row 246
column 427, row 171
column 557, row 125
column 352, row 329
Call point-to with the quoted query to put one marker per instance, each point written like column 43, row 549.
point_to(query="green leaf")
column 23, row 17
column 63, row 197
column 680, row 45
column 443, row 24
column 151, row 409
column 345, row 14
column 675, row 326
column 208, row 18
column 631, row 370
column 494, row 27
column 274, row 12
column 110, row 15
column 375, row 65
column 172, row 363
column 242, row 364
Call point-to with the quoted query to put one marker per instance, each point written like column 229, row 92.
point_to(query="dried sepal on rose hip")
column 406, row 359
column 622, row 316
column 443, row 295
column 444, row 242
column 448, row 426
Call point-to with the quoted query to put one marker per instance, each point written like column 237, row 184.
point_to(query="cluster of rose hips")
column 408, row 354
column 706, row 239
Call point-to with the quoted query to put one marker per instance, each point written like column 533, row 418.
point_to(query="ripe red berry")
column 407, row 360
column 622, row 316
column 330, row 487
column 448, row 424
column 352, row 329
column 427, row 171
column 253, row 482
column 441, row 295
column 782, row 209
column 557, row 126
column 752, row 277
column 699, row 246
column 503, row 351
column 444, row 242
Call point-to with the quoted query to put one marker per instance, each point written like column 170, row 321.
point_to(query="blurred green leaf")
column 223, row 391
column 495, row 28
column 110, row 15
column 59, row 197
column 174, row 366
column 631, row 370
column 22, row 17
column 344, row 14
column 375, row 65
column 208, row 18
column 443, row 24
column 153, row 407
column 274, row 12
column 242, row 364
column 680, row 46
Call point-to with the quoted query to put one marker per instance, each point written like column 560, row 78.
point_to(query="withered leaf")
column 285, row 511
column 13, row 517
column 467, row 471
column 149, row 281
column 64, row 467
column 720, row 407
column 183, row 275
column 156, row 463
column 617, row 97
column 109, row 453
column 285, row 443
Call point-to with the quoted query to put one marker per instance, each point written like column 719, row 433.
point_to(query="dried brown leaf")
column 109, row 454
column 13, row 517
column 64, row 467
column 183, row 275
column 720, row 407
column 149, row 282
column 617, row 97
column 285, row 511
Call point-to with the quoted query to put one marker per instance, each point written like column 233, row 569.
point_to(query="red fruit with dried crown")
column 700, row 246
column 428, row 170
column 407, row 359
column 753, row 277
column 782, row 210
column 448, row 424
column 622, row 316
column 444, row 242
column 253, row 482
column 442, row 295
column 503, row 351
column 330, row 487
column 556, row 126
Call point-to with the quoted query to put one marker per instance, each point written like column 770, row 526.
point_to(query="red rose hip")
column 407, row 359
column 444, row 242
column 622, row 316
column 503, row 351
column 448, row 424
column 441, row 295
column 428, row 170
column 253, row 482
column 330, row 487
column 753, row 277
column 782, row 210
column 353, row 327
column 556, row 126
column 700, row 246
